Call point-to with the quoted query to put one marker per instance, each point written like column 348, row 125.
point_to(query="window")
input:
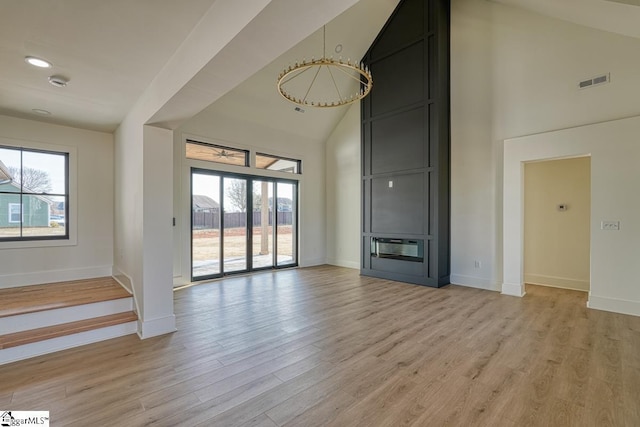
column 276, row 163
column 34, row 194
column 217, row 153
column 15, row 212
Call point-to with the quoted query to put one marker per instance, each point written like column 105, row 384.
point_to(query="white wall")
column 92, row 255
column 143, row 239
column 213, row 126
column 343, row 191
column 157, row 238
column 515, row 73
column 474, row 210
column 556, row 241
column 615, row 155
column 127, row 266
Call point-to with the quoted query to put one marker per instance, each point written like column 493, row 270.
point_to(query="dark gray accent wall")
column 405, row 142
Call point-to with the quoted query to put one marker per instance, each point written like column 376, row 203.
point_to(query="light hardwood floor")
column 31, row 299
column 323, row 346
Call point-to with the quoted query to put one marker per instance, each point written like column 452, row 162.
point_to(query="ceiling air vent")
column 595, row 81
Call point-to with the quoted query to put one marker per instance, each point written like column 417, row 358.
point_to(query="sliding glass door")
column 205, row 225
column 286, row 236
column 241, row 223
column 263, row 230
column 234, row 224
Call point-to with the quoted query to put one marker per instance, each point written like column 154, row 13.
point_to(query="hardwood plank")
column 49, row 332
column 210, row 409
column 6, row 399
column 157, row 414
column 260, row 421
column 384, row 401
column 604, row 404
column 631, row 394
column 558, row 412
column 573, row 377
column 459, row 402
column 231, row 383
column 99, row 415
column 30, row 299
column 323, row 345
column 322, row 412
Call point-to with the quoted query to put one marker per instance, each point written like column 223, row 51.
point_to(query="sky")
column 53, row 164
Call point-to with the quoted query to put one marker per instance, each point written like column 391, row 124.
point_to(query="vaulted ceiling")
column 615, row 16
column 111, row 51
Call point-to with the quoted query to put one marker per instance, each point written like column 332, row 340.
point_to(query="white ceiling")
column 111, row 50
column 615, row 16
column 257, row 98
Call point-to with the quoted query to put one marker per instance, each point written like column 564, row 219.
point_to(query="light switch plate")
column 610, row 225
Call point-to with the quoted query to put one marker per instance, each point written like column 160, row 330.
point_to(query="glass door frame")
column 250, row 179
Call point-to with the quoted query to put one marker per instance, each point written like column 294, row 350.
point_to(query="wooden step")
column 30, row 299
column 41, row 334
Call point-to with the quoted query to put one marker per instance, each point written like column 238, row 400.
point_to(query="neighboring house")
column 284, row 204
column 205, row 204
column 35, row 209
column 5, row 175
column 57, row 208
column 206, row 212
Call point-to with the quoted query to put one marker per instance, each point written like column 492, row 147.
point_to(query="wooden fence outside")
column 211, row 220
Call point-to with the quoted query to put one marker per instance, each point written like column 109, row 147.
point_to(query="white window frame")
column 21, row 212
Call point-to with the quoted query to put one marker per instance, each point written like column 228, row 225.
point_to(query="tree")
column 257, row 201
column 237, row 193
column 35, row 180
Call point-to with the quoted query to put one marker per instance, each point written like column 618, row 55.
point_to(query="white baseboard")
column 557, row 282
column 58, row 316
column 513, row 289
column 180, row 281
column 13, row 354
column 348, row 264
column 312, row 262
column 614, row 305
column 122, row 278
column 52, row 276
column 474, row 282
column 155, row 327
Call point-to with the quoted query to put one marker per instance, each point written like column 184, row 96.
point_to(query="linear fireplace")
column 403, row 249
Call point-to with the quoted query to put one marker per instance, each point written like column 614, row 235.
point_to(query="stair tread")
column 34, row 298
column 41, row 334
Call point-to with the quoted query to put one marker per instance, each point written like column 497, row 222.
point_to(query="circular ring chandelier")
column 329, row 83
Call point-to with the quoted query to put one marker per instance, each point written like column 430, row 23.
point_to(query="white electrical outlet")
column 478, row 264
column 610, row 225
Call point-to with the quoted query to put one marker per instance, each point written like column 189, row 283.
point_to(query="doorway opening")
column 241, row 223
column 557, row 216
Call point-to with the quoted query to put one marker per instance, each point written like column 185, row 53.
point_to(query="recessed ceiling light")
column 37, row 62
column 338, row 48
column 58, row 81
column 41, row 112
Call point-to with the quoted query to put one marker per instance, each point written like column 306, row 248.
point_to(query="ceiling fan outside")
column 223, row 154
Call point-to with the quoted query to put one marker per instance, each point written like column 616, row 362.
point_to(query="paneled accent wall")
column 405, row 145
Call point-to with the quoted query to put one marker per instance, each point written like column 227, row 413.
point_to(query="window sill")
column 24, row 244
